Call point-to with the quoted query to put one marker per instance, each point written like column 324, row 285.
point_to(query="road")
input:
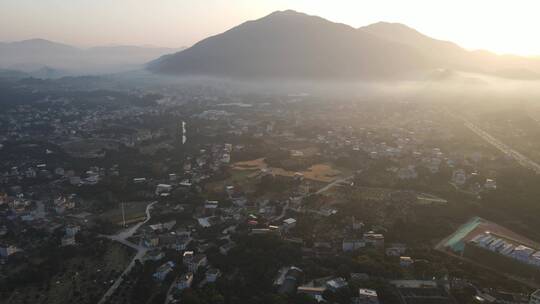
column 122, row 237
column 323, row 189
column 520, row 158
column 334, row 183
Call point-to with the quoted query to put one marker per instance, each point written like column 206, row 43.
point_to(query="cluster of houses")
column 507, row 247
column 291, row 280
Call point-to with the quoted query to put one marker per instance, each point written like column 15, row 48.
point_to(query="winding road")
column 323, row 189
column 122, row 237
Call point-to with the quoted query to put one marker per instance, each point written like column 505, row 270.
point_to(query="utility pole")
column 123, row 216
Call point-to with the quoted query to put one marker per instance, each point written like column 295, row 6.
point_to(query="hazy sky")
column 503, row 26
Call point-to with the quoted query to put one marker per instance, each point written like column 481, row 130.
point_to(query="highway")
column 520, row 158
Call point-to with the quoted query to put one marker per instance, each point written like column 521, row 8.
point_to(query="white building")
column 163, row 188
column 367, row 296
column 288, row 224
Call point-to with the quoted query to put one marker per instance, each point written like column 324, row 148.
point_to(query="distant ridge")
column 47, row 56
column 288, row 44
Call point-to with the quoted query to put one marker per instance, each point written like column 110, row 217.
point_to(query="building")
column 163, row 189
column 459, row 177
column 349, row 245
column 405, row 261
column 68, row 240
column 336, row 284
column 288, row 279
column 163, row 270
column 367, row 296
column 395, row 250
column 374, row 239
column 184, row 281
column 212, row 275
column 7, row 250
column 490, row 184
column 194, row 261
column 72, row 230
column 417, row 291
column 407, row 173
column 288, row 224
column 154, row 255
column 314, row 292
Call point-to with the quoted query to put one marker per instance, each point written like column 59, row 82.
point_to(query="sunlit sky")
column 501, row 26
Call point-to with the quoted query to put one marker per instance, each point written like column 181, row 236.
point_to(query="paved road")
column 334, row 183
column 323, row 189
column 122, row 237
column 520, row 158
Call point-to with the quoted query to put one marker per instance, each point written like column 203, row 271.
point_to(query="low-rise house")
column 395, row 250
column 314, row 292
column 407, row 173
column 154, row 255
column 490, row 184
column 184, row 281
column 68, row 240
column 288, row 279
column 459, row 177
column 150, row 241
column 212, row 275
column 367, row 296
column 374, row 239
column 194, row 261
column 336, row 284
column 163, row 270
column 405, row 261
column 7, row 250
column 288, row 224
column 163, row 189
column 72, row 230
column 349, row 245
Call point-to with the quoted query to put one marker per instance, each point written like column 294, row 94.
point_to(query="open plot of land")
column 134, row 212
column 318, row 172
column 89, row 147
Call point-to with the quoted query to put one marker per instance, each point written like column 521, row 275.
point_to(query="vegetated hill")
column 293, row 45
column 448, row 55
column 288, row 44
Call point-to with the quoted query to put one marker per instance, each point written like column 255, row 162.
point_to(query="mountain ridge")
column 37, row 53
column 289, row 44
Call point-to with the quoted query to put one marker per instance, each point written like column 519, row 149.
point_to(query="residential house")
column 336, row 284
column 184, row 281
column 212, row 275
column 367, row 296
column 163, row 270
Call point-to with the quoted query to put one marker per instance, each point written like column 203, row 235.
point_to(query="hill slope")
column 295, row 45
column 289, row 44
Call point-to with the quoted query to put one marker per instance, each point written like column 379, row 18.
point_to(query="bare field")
column 318, row 172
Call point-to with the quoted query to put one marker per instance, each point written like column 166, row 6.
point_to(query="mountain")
column 293, row 45
column 448, row 55
column 288, row 44
column 42, row 56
